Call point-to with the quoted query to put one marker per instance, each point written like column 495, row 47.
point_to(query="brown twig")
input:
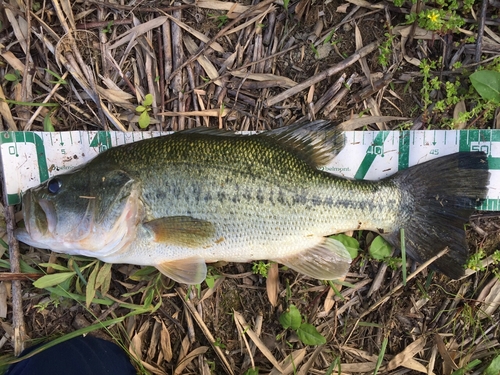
column 480, row 31
column 178, row 58
column 10, row 276
column 323, row 75
column 102, row 24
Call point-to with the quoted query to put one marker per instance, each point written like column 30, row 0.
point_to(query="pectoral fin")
column 188, row 271
column 183, row 231
column 326, row 261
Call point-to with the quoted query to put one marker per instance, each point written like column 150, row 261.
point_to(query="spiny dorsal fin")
column 316, row 142
column 328, row 260
column 208, row 131
column 184, row 231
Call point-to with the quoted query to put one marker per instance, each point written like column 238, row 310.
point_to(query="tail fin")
column 441, row 194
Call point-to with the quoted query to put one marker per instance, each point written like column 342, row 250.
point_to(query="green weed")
column 307, row 333
column 143, row 109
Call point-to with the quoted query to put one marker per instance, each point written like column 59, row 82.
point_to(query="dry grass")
column 242, row 67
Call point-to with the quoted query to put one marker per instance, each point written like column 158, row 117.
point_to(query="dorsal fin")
column 316, row 142
column 208, row 131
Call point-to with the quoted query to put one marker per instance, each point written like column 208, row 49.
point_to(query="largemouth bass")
column 179, row 201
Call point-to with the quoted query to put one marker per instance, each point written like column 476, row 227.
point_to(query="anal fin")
column 328, row 260
column 187, row 271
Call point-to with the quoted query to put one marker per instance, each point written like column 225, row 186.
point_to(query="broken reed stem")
column 161, row 71
column 178, row 58
column 17, row 301
column 323, row 75
column 321, row 102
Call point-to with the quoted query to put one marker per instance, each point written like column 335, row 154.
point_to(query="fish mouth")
column 40, row 217
column 49, row 212
column 39, row 220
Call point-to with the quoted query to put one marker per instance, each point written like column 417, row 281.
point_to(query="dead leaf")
column 301, row 8
column 207, row 112
column 359, row 45
column 137, row 340
column 329, row 301
column 359, row 122
column 165, row 343
column 188, row 358
column 272, row 284
column 222, row 5
column 291, row 362
column 202, row 60
column 489, row 299
column 19, row 26
column 448, row 361
column 367, row 4
column 342, row 8
column 257, row 341
column 407, row 354
column 283, row 81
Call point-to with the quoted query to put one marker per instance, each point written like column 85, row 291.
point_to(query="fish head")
column 90, row 211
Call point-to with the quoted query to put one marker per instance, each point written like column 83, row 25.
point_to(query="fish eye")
column 54, row 185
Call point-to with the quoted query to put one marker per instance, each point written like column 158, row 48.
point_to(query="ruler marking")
column 376, row 148
column 30, row 149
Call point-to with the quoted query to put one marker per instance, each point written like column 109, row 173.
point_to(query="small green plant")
column 446, row 17
column 315, row 50
column 494, row 367
column 59, row 81
column 350, row 243
column 385, row 49
column 15, row 77
column 47, row 124
column 474, row 263
column 108, row 27
column 218, row 342
column 212, row 275
column 307, row 333
column 252, row 371
column 380, row 249
column 487, row 84
column 261, row 268
column 221, row 19
column 429, row 83
column 143, row 109
column 468, row 367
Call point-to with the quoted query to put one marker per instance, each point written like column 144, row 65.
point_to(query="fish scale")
column 204, row 195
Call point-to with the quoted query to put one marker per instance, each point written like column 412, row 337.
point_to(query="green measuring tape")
column 29, row 158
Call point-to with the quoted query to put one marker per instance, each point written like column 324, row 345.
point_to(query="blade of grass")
column 381, row 356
